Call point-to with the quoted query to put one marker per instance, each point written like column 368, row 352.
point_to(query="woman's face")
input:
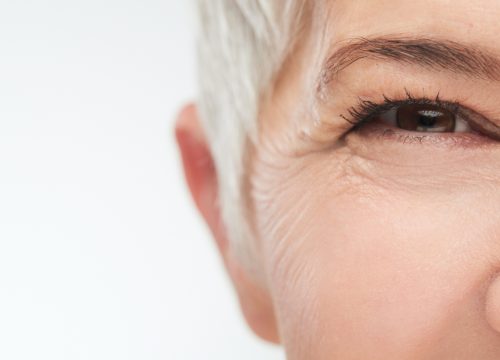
column 382, row 240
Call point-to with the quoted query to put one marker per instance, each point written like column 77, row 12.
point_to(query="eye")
column 424, row 118
column 421, row 115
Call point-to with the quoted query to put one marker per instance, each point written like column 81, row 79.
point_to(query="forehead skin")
column 471, row 21
column 378, row 250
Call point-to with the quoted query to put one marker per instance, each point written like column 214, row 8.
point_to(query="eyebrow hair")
column 433, row 54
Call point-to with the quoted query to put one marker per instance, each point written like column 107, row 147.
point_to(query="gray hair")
column 241, row 46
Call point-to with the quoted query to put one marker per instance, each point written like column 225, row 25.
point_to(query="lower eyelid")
column 379, row 131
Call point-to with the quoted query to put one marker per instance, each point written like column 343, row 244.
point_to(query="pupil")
column 429, row 118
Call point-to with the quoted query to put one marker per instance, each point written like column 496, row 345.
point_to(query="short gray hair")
column 241, row 45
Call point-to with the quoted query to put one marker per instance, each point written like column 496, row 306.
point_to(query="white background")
column 102, row 255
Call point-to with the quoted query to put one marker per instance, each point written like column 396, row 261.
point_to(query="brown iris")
column 425, row 118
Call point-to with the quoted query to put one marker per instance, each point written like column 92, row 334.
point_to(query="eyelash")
column 365, row 111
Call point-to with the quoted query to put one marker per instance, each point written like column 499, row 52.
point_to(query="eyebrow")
column 431, row 54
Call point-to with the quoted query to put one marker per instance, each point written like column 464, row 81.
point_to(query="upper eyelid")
column 453, row 106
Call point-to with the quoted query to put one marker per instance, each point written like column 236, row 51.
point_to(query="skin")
column 370, row 247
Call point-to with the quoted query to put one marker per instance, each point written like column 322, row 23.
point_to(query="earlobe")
column 201, row 178
column 255, row 303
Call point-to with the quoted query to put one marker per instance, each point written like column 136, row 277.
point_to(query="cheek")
column 361, row 262
column 401, row 278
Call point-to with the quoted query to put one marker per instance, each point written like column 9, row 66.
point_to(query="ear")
column 201, row 178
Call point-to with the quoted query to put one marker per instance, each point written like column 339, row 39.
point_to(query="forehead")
column 464, row 20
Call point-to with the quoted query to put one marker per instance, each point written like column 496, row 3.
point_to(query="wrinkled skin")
column 378, row 249
column 373, row 247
